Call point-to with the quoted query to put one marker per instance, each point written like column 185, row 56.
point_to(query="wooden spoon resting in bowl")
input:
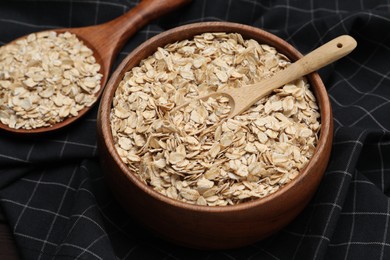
column 106, row 40
column 240, row 99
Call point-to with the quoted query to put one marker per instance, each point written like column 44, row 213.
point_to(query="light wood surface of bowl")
column 206, row 227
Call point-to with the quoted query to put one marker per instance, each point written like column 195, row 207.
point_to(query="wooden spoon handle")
column 109, row 37
column 147, row 10
column 318, row 58
column 322, row 56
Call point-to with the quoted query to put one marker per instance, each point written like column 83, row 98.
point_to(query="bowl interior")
column 283, row 195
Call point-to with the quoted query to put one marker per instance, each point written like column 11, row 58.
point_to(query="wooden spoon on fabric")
column 240, row 99
column 106, row 40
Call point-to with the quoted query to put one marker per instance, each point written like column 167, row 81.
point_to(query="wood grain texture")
column 106, row 40
column 206, row 227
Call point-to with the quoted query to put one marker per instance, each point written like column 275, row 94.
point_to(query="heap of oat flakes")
column 46, row 78
column 247, row 157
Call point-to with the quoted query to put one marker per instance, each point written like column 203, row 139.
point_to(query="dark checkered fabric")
column 55, row 198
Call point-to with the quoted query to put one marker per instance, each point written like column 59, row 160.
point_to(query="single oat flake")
column 244, row 158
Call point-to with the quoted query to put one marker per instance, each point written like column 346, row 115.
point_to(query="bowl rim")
column 325, row 134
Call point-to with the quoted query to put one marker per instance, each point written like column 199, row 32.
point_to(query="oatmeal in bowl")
column 244, row 158
column 255, row 171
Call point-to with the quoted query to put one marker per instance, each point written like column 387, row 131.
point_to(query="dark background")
column 53, row 194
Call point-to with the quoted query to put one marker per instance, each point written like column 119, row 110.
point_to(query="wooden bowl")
column 206, row 227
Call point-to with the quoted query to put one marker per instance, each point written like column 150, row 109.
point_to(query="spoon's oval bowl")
column 208, row 227
column 105, row 40
column 104, row 70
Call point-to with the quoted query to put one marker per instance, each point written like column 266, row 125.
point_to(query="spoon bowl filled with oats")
column 50, row 79
column 232, row 186
column 242, row 98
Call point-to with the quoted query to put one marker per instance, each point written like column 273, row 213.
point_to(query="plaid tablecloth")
column 52, row 188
